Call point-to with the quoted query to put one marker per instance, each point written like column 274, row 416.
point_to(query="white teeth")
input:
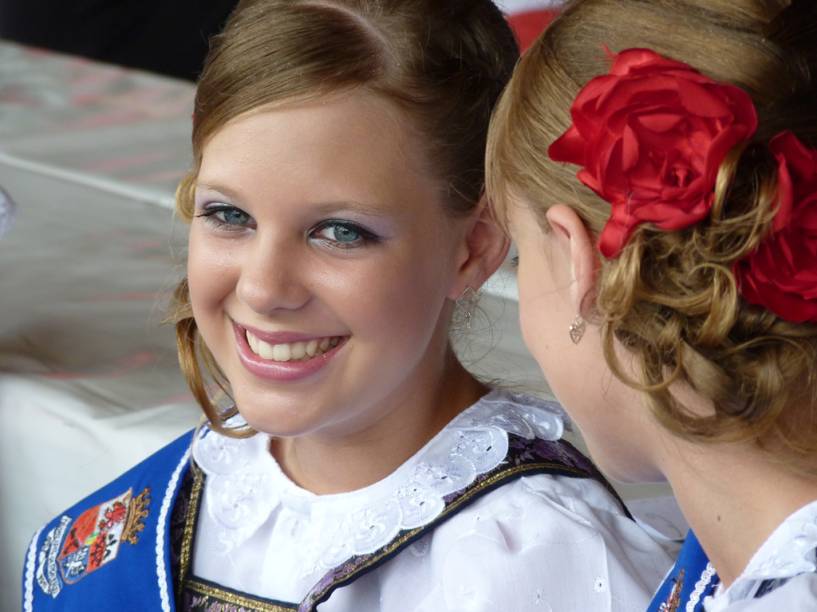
column 297, row 350
column 265, row 349
column 252, row 341
column 280, row 352
column 294, row 351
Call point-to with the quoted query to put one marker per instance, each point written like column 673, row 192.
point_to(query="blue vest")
column 690, row 580
column 110, row 551
column 129, row 545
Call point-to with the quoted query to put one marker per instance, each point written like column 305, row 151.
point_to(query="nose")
column 272, row 276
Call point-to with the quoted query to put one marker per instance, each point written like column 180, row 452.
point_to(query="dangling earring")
column 466, row 303
column 577, row 329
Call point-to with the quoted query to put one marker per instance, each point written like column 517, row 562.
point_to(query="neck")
column 733, row 498
column 327, row 463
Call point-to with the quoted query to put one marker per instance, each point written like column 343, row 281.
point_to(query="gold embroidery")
column 235, row 599
column 137, row 513
column 674, row 600
column 190, row 523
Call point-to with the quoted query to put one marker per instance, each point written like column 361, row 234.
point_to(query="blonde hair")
column 443, row 63
column 671, row 298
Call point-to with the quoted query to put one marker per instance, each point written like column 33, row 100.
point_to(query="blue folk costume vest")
column 690, row 580
column 129, row 546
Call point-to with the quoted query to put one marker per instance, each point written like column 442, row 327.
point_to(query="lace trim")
column 161, row 569
column 31, row 559
column 700, row 587
column 244, row 485
column 789, row 550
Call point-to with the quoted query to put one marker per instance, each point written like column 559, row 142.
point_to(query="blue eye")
column 342, row 234
column 226, row 216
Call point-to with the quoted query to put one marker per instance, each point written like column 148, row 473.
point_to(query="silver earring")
column 577, row 329
column 466, row 303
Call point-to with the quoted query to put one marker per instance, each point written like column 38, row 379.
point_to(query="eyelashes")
column 343, row 234
column 226, row 217
column 334, row 233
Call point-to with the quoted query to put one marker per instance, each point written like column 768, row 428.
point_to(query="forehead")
column 356, row 145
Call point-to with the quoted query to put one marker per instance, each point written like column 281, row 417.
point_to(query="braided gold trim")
column 190, row 523
column 235, row 599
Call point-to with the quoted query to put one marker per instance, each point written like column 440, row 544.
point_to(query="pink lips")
column 279, row 370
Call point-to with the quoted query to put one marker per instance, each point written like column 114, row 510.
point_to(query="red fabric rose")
column 650, row 137
column 781, row 275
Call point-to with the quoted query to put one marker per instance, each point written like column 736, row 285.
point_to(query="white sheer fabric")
column 538, row 543
column 789, row 552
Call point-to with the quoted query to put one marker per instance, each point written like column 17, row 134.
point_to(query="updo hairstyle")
column 444, row 63
column 670, row 297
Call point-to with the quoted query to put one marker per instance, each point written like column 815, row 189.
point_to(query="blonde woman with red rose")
column 656, row 164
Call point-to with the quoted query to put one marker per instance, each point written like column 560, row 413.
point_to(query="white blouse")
column 790, row 552
column 539, row 543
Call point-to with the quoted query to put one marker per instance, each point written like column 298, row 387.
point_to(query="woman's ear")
column 578, row 247
column 484, row 248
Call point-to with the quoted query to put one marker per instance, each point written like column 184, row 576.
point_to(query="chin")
column 278, row 414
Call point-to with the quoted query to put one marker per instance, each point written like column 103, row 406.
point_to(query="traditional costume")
column 781, row 576
column 495, row 513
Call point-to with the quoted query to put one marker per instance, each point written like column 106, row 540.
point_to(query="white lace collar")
column 787, row 552
column 245, row 484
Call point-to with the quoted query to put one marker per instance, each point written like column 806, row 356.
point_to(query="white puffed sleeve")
column 541, row 543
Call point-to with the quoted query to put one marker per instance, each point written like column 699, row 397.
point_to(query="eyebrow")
column 322, row 208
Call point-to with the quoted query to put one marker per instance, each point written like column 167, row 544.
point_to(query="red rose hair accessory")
column 650, row 137
column 781, row 275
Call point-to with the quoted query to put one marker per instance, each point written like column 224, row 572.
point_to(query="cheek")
column 210, row 274
column 401, row 298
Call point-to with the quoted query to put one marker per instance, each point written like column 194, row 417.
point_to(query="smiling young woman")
column 349, row 460
column 318, row 244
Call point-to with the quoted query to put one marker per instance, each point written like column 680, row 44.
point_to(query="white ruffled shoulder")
column 245, row 485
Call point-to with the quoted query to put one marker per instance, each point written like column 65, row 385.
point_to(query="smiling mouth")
column 291, row 351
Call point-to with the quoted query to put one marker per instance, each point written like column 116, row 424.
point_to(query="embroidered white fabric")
column 244, row 484
column 789, row 552
column 536, row 542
